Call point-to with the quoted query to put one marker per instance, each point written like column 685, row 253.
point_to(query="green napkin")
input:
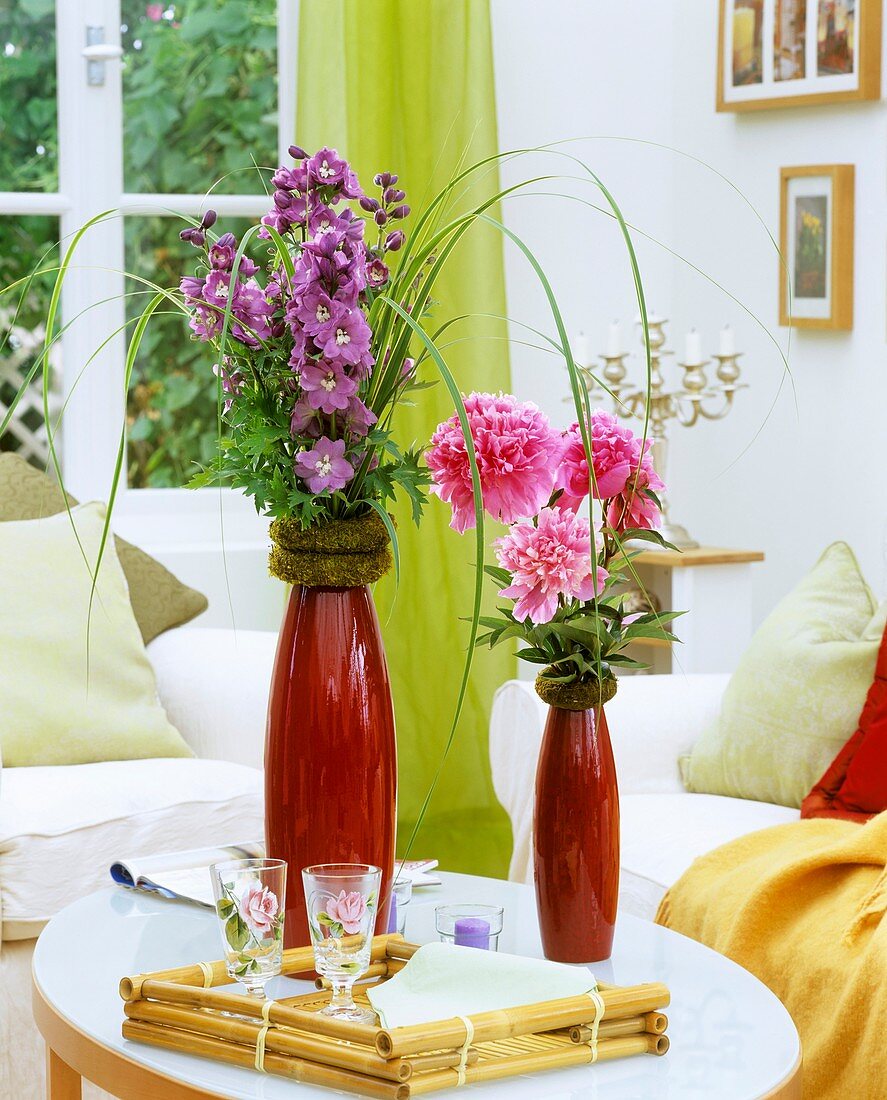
column 441, row 981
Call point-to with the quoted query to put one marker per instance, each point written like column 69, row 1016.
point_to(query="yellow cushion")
column 159, row 599
column 796, row 695
column 64, row 703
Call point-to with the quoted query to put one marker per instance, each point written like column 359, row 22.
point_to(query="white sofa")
column 653, row 720
column 60, row 828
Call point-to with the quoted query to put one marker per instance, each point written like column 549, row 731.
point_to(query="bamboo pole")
column 523, row 1020
column 284, row 1015
column 307, row 1072
column 540, row 1060
column 398, row 948
column 654, row 1023
column 295, row 960
column 444, row 1059
column 374, row 970
column 282, row 1041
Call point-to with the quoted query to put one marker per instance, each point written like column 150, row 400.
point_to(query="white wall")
column 816, row 472
column 565, row 71
column 811, row 471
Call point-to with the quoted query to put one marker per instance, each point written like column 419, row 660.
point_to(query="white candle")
column 580, row 350
column 614, row 341
column 693, row 348
column 728, row 341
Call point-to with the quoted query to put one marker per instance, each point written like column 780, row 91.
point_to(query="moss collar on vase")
column 336, row 553
column 575, row 696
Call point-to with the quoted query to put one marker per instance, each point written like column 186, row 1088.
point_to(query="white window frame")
column 90, row 127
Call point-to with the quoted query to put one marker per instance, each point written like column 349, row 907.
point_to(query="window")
column 193, row 99
column 29, row 167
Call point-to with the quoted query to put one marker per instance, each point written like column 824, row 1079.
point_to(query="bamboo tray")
column 183, row 1010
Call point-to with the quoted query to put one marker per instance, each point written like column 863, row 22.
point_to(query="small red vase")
column 330, row 753
column 576, row 837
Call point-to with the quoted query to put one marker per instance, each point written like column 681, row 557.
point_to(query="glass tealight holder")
column 401, row 896
column 470, row 925
column 341, row 899
column 250, row 897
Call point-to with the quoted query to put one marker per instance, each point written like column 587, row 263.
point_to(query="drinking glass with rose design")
column 248, row 895
column 341, row 899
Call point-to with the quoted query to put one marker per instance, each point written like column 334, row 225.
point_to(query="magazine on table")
column 185, row 875
column 181, row 875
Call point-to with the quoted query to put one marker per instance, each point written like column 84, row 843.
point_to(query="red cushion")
column 855, row 785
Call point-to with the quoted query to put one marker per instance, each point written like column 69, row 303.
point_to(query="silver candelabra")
column 694, row 400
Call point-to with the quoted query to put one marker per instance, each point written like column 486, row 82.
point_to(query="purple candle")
column 472, row 932
column 392, row 918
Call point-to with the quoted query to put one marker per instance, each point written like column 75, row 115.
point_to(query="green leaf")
column 236, row 932
column 224, row 907
column 500, row 576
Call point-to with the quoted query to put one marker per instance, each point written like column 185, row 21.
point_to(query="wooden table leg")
column 62, row 1082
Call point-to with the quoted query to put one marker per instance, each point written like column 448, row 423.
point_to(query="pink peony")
column 548, row 561
column 349, row 910
column 614, row 451
column 633, row 508
column 259, row 908
column 517, row 455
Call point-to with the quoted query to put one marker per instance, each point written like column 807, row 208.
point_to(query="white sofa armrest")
column 214, row 685
column 653, row 720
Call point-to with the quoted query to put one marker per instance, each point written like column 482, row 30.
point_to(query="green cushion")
column 159, row 599
column 64, row 702
column 795, row 697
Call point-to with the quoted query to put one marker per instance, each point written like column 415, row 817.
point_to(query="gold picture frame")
column 816, row 246
column 797, row 53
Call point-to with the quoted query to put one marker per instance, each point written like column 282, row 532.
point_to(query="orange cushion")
column 854, row 786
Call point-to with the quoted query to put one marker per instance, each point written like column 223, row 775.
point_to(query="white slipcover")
column 61, row 828
column 653, row 720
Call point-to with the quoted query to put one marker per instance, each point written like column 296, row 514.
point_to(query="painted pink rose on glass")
column 349, row 910
column 259, row 908
column 547, row 561
column 517, row 454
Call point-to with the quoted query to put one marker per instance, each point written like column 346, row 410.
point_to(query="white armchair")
column 60, row 828
column 653, row 720
column 214, row 686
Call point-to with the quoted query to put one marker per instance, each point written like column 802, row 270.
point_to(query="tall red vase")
column 576, row 837
column 330, row 754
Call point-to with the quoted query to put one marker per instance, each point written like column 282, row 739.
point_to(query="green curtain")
column 407, row 87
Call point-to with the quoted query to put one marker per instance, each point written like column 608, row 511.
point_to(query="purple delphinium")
column 317, row 316
column 358, row 417
column 306, row 420
column 232, row 381
column 314, row 310
column 221, row 254
column 345, row 336
column 377, row 273
column 327, row 168
column 327, row 387
column 324, row 468
column 250, row 309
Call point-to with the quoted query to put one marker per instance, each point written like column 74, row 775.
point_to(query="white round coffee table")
column 731, row 1039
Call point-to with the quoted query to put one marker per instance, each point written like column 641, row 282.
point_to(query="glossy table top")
column 730, row 1037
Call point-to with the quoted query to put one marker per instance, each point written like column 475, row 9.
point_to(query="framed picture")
column 794, row 53
column 816, row 243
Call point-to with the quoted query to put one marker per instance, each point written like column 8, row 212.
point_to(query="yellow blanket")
column 801, row 907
